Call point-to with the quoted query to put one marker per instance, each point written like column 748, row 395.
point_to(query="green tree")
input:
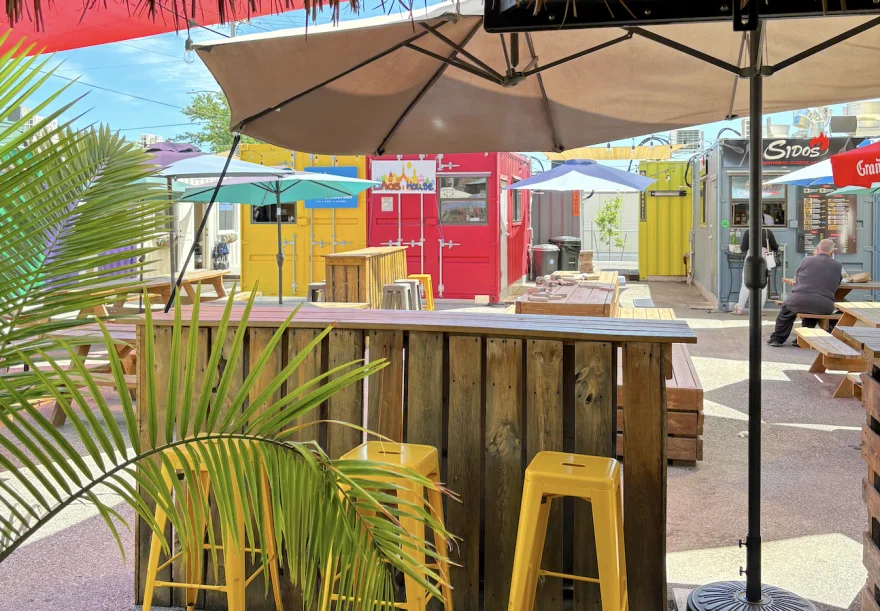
column 210, row 115
column 608, row 221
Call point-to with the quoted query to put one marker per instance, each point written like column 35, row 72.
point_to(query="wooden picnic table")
column 867, row 312
column 158, row 287
column 844, row 289
column 586, row 298
column 124, row 337
column 487, row 390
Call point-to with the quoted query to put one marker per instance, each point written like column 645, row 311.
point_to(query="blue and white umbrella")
column 585, row 175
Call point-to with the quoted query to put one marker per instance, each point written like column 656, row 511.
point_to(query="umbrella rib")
column 366, row 62
column 549, row 111
column 705, row 57
column 742, row 47
column 825, row 45
column 436, row 76
column 457, row 64
column 461, row 50
column 580, row 54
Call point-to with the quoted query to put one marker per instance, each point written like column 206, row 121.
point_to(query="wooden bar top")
column 570, row 328
column 372, row 251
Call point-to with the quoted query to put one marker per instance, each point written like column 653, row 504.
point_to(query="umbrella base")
column 731, row 596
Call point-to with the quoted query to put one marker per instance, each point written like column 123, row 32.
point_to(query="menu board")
column 822, row 215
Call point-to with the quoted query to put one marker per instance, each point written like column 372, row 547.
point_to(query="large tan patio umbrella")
column 441, row 84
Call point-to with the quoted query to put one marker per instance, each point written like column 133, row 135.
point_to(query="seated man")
column 815, row 283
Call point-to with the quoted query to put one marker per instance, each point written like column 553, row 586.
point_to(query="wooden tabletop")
column 372, row 251
column 848, row 286
column 867, row 312
column 646, row 313
column 121, row 332
column 586, row 298
column 571, row 328
column 866, row 337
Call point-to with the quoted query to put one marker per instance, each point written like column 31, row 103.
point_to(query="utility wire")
column 125, row 44
column 131, row 95
column 115, row 66
column 131, row 129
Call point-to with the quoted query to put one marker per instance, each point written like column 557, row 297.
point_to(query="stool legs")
column 440, row 542
column 608, row 546
column 415, row 593
column 155, row 549
column 270, row 554
column 525, row 572
column 538, row 552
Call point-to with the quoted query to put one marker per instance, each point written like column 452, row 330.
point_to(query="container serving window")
column 772, row 200
column 464, row 200
column 262, row 215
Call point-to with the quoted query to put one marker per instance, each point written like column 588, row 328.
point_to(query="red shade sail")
column 68, row 24
column 857, row 168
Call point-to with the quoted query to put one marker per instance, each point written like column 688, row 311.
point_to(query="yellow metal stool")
column 233, row 558
column 553, row 475
column 424, row 461
column 425, row 281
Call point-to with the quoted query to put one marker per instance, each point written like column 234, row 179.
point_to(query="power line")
column 116, row 66
column 125, row 44
column 130, row 95
column 131, row 129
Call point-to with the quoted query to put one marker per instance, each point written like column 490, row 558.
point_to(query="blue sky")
column 150, row 81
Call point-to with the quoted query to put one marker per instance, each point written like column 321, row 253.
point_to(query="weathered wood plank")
column 871, row 396
column 464, row 466
column 684, row 424
column 644, row 436
column 544, row 433
column 259, row 340
column 385, row 408
column 871, row 449
column 504, row 472
column 424, row 389
column 595, row 399
column 871, row 557
column 310, row 368
column 347, row 405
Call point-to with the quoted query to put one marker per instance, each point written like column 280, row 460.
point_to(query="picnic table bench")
column 834, row 354
column 490, row 390
column 684, row 395
column 124, row 337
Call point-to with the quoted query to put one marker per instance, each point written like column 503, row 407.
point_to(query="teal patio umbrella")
column 287, row 189
column 853, row 190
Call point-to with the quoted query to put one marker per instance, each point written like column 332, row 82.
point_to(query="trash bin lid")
column 546, row 247
column 565, row 239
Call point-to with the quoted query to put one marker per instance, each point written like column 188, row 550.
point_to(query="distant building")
column 149, row 139
column 22, row 111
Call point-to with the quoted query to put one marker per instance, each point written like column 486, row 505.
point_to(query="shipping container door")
column 504, row 233
column 468, row 236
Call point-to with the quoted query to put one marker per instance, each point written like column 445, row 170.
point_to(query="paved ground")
column 812, row 512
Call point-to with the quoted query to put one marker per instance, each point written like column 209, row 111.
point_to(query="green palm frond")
column 73, row 206
column 339, row 523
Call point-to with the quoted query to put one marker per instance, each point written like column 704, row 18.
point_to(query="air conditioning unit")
column 690, row 139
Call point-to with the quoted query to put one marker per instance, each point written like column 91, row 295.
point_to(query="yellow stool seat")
column 552, row 475
column 425, row 281
column 233, row 556
column 562, row 469
column 425, row 461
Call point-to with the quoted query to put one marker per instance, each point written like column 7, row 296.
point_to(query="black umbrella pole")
column 198, row 236
column 756, row 280
column 279, row 258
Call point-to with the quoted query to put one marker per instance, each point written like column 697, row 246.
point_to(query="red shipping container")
column 469, row 235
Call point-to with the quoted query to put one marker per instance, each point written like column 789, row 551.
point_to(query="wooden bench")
column 684, row 404
column 824, row 319
column 245, row 295
column 834, row 354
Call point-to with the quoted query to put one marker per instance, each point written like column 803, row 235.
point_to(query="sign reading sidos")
column 785, row 151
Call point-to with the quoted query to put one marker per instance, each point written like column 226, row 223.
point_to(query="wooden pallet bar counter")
column 357, row 276
column 491, row 391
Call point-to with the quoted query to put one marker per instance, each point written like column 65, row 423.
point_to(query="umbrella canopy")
column 166, row 153
column 442, row 84
column 816, row 174
column 585, row 175
column 73, row 25
column 859, row 167
column 287, row 189
column 211, row 166
column 873, row 189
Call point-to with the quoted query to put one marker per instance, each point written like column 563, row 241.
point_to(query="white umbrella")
column 816, row 174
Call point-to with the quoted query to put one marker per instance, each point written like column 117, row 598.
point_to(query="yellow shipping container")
column 314, row 234
column 664, row 221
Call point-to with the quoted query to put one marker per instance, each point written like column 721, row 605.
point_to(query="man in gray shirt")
column 815, row 283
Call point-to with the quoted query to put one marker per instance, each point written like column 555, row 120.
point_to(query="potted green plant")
column 733, row 246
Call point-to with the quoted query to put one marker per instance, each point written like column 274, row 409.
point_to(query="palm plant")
column 335, row 522
column 74, row 205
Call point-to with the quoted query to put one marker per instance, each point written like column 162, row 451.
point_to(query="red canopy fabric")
column 857, row 168
column 68, row 24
